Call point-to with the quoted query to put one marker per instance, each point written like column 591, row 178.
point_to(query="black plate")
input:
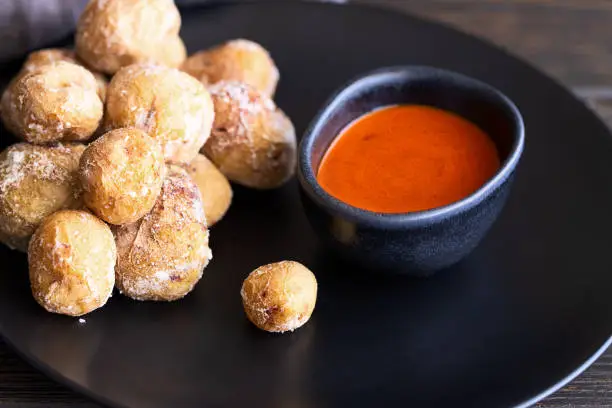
column 527, row 311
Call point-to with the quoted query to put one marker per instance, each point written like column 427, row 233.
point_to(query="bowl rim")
column 307, row 176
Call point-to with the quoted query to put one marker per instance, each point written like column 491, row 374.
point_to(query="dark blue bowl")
column 417, row 243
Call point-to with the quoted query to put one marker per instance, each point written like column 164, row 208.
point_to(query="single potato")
column 112, row 34
column 172, row 107
column 252, row 142
column 236, row 60
column 162, row 256
column 279, row 297
column 55, row 102
column 36, row 181
column 122, row 174
column 72, row 259
column 214, row 187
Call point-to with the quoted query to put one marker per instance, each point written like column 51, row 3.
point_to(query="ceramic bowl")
column 417, row 243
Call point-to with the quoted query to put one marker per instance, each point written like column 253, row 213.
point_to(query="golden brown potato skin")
column 236, row 60
column 115, row 33
column 279, row 297
column 214, row 187
column 71, row 258
column 252, row 141
column 122, row 173
column 171, row 53
column 172, row 107
column 48, row 56
column 162, row 256
column 36, row 181
column 55, row 102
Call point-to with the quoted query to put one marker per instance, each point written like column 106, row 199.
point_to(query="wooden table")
column 569, row 39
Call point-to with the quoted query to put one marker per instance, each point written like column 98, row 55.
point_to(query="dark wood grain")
column 592, row 389
column 22, row 386
column 569, row 39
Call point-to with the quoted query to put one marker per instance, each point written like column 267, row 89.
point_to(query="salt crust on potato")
column 112, row 34
column 48, row 56
column 235, row 60
column 71, row 259
column 122, row 174
column 252, row 142
column 171, row 106
column 36, row 181
column 280, row 296
column 57, row 102
column 162, row 256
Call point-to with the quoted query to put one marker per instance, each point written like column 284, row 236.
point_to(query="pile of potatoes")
column 127, row 148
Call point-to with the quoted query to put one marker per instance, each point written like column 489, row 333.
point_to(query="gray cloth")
column 30, row 24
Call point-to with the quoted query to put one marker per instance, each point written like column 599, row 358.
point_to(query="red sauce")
column 407, row 158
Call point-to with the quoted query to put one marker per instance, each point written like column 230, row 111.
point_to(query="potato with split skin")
column 53, row 103
column 122, row 173
column 280, row 296
column 214, row 187
column 71, row 258
column 49, row 56
column 252, row 142
column 162, row 256
column 36, row 181
column 112, row 34
column 171, row 106
column 236, row 60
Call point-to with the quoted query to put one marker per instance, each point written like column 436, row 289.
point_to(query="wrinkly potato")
column 214, row 187
column 55, row 102
column 236, row 60
column 162, row 256
column 122, row 174
column 72, row 258
column 279, row 297
column 112, row 34
column 36, row 181
column 172, row 107
column 48, row 56
column 252, row 141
